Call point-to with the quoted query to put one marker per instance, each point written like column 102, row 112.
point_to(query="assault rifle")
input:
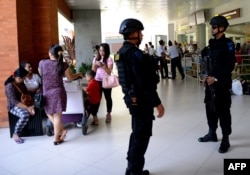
column 208, row 70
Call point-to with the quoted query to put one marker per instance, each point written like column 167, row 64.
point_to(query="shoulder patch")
column 230, row 46
column 116, row 57
column 138, row 54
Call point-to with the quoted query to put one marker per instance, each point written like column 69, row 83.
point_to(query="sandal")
column 63, row 135
column 108, row 118
column 94, row 123
column 58, row 142
column 19, row 141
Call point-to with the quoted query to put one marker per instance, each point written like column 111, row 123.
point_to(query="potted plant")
column 84, row 67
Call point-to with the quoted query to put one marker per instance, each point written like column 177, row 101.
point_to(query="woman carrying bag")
column 103, row 65
column 14, row 89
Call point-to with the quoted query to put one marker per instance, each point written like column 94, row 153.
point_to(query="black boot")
column 144, row 172
column 210, row 137
column 225, row 145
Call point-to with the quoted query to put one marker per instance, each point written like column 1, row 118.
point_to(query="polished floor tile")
column 173, row 148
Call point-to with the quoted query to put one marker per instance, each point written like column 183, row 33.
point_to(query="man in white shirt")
column 162, row 57
column 152, row 51
column 173, row 53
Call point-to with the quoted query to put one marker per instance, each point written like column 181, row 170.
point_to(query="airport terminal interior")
column 174, row 148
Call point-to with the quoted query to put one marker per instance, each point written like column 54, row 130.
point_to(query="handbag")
column 237, row 87
column 110, row 81
column 26, row 99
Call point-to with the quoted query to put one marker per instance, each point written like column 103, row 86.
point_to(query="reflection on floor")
column 173, row 149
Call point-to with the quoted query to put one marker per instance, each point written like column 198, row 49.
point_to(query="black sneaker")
column 224, row 146
column 208, row 138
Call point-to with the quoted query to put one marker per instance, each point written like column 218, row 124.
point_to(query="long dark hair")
column 20, row 72
column 238, row 47
column 106, row 51
column 23, row 64
column 57, row 52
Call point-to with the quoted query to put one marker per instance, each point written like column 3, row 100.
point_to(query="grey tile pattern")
column 173, row 149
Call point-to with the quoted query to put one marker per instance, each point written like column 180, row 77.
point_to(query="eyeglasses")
column 214, row 26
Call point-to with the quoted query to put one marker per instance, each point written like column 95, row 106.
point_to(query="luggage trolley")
column 75, row 111
column 86, row 113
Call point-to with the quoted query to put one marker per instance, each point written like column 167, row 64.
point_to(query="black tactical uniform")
column 139, row 83
column 221, row 61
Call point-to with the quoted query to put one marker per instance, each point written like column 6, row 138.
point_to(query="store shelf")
column 192, row 66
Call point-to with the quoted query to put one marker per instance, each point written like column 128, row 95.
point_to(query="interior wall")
column 171, row 32
column 87, row 25
column 8, row 51
column 28, row 29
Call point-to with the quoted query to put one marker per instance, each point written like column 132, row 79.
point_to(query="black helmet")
column 219, row 21
column 130, row 25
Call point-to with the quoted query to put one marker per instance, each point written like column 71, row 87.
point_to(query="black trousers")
column 221, row 111
column 164, row 67
column 108, row 97
column 139, row 140
column 176, row 62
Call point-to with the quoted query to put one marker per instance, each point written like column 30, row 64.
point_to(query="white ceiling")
column 169, row 10
column 156, row 12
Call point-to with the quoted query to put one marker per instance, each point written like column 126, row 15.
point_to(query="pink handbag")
column 110, row 81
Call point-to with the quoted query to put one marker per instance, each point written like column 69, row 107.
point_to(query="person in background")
column 218, row 83
column 195, row 53
column 93, row 91
column 146, row 49
column 32, row 80
column 150, row 44
column 139, row 85
column 162, row 57
column 173, row 53
column 239, row 59
column 103, row 65
column 181, row 53
column 14, row 104
column 152, row 50
column 53, row 70
column 96, row 50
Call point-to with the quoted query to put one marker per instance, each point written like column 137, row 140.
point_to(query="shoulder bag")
column 38, row 97
column 26, row 99
column 110, row 81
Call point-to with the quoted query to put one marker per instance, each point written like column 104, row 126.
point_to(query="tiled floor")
column 173, row 149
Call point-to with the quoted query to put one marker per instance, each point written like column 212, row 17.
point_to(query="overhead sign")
column 231, row 14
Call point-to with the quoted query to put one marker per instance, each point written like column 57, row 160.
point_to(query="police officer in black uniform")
column 218, row 83
column 139, row 85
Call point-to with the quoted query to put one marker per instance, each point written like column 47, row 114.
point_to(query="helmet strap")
column 219, row 31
